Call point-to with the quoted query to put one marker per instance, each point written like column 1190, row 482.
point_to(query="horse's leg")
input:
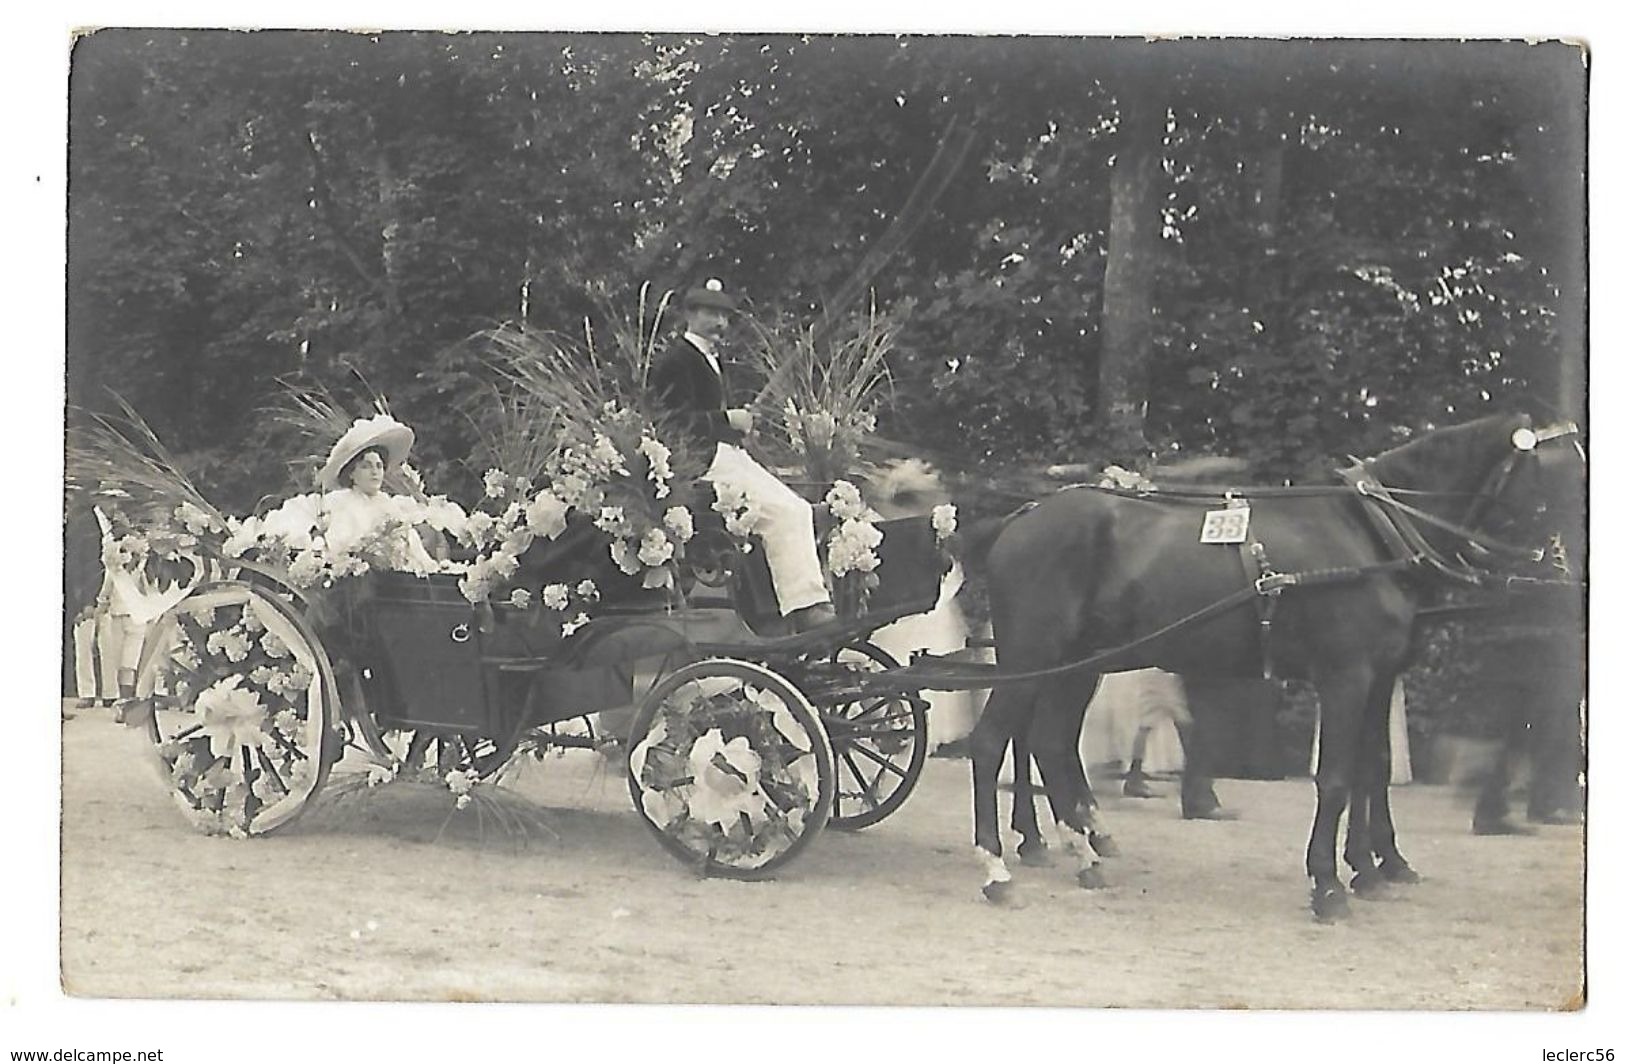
column 1384, row 841
column 1055, row 747
column 1343, row 696
column 1032, row 849
column 1007, row 714
column 1372, row 768
column 1197, row 800
column 1082, row 691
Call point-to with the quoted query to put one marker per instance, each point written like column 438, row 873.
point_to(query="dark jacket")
column 694, row 393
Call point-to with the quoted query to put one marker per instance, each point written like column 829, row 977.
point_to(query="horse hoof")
column 1329, row 904
column 1035, row 854
column 1215, row 813
column 1399, row 872
column 1104, row 845
column 1091, row 878
column 1368, row 885
column 998, row 892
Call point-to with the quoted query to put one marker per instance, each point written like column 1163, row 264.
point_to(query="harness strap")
column 1255, row 563
column 918, row 674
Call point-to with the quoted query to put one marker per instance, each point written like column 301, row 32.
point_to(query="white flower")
column 625, row 558
column 233, row 643
column 504, row 564
column 607, row 457
column 305, row 570
column 233, row 716
column 851, row 547
column 294, row 522
column 611, row 519
column 573, row 489
column 460, row 782
column 587, row 591
column 680, row 522
column 556, row 597
column 196, row 520
column 727, row 780
column 480, row 525
column 520, row 597
column 945, row 521
column 273, row 646
column 546, row 514
column 845, row 501
column 496, row 483
column 659, row 457
column 571, row 627
column 656, row 549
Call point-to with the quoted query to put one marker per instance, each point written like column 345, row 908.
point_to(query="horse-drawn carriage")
column 743, row 742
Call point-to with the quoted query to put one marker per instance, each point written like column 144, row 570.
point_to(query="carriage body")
column 407, row 672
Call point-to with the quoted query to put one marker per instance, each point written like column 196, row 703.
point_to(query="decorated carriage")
column 598, row 595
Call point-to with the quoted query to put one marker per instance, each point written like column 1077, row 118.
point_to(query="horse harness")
column 1394, row 521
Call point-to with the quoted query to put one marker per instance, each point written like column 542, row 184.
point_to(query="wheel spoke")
column 885, row 765
column 865, row 785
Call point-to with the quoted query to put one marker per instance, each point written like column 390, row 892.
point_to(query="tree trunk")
column 1126, row 304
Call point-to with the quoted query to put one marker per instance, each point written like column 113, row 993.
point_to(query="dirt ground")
column 390, row 895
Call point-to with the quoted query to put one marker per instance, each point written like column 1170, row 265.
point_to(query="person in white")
column 689, row 380
column 354, row 505
column 108, row 641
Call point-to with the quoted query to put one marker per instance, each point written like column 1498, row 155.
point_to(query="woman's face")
column 367, row 473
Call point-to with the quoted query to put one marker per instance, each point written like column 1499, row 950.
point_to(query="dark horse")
column 1086, row 571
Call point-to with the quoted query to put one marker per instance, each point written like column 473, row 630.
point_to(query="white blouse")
column 353, row 517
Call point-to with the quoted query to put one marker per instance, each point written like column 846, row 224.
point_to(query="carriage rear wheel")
column 730, row 768
column 879, row 745
column 240, row 704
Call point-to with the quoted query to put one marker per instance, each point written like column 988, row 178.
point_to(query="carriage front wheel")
column 879, row 743
column 730, row 768
column 240, row 703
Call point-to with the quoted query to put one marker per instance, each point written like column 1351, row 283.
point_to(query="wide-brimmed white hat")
column 380, row 431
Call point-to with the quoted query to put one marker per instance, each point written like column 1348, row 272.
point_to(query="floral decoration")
column 852, row 557
column 727, row 770
column 246, row 739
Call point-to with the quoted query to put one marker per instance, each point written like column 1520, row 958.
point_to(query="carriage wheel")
column 240, row 704
column 879, row 745
column 730, row 768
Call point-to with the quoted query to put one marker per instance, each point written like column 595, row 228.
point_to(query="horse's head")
column 1538, row 493
column 1495, row 482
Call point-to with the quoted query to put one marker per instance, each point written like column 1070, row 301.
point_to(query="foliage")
column 824, row 388
column 1354, row 240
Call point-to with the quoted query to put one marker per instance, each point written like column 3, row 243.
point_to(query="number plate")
column 1227, row 525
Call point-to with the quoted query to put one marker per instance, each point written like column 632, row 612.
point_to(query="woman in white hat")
column 355, row 504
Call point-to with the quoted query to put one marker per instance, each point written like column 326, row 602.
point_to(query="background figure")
column 912, row 488
column 83, row 605
column 1538, row 681
column 1139, row 722
column 951, row 714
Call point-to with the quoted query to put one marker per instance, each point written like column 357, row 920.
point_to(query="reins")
column 1393, row 519
column 990, row 676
